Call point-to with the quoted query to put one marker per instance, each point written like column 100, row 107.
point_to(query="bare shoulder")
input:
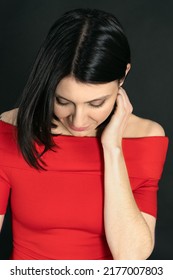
column 9, row 116
column 140, row 127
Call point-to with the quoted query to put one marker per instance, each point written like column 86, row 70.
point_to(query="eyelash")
column 94, row 106
column 60, row 103
column 97, row 106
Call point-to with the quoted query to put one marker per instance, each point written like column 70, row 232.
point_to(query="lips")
column 78, row 128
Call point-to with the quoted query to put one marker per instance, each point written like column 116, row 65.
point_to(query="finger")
column 124, row 95
column 127, row 104
column 120, row 103
column 121, row 115
column 121, row 92
column 125, row 109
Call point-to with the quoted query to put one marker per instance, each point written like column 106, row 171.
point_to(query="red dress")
column 58, row 213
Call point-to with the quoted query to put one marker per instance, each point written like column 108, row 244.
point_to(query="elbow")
column 149, row 251
column 143, row 252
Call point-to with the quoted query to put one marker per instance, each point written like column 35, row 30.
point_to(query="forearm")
column 127, row 232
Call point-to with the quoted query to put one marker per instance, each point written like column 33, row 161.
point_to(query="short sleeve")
column 4, row 192
column 145, row 195
column 145, row 158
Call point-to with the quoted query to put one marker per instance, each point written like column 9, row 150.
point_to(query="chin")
column 81, row 134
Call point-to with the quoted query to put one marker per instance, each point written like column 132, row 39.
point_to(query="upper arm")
column 1, row 221
column 151, row 222
column 151, row 128
column 154, row 129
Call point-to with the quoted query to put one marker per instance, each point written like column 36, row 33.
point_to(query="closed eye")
column 97, row 104
column 94, row 103
column 61, row 101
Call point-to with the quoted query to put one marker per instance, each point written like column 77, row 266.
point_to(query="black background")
column 149, row 28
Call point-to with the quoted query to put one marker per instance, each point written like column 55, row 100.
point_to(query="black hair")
column 87, row 44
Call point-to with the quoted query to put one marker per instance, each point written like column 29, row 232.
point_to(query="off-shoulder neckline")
column 55, row 137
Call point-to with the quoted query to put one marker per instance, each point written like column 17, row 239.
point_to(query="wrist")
column 112, row 144
column 114, row 151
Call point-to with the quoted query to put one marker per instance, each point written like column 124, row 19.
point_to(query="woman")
column 83, row 170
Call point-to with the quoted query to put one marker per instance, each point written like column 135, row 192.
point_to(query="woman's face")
column 82, row 107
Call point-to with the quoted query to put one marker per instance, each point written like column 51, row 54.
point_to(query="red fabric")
column 58, row 213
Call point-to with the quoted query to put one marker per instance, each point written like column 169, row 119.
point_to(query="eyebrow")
column 97, row 99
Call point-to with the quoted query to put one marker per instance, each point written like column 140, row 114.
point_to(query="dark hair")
column 87, row 44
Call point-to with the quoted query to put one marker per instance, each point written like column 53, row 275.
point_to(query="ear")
column 126, row 72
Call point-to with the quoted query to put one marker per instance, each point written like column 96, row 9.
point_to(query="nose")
column 79, row 118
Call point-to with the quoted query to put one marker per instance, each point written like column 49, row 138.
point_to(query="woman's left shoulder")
column 141, row 127
column 153, row 128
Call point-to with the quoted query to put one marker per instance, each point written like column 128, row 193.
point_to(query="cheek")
column 104, row 114
column 61, row 112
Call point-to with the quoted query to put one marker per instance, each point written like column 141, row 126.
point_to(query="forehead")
column 70, row 88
